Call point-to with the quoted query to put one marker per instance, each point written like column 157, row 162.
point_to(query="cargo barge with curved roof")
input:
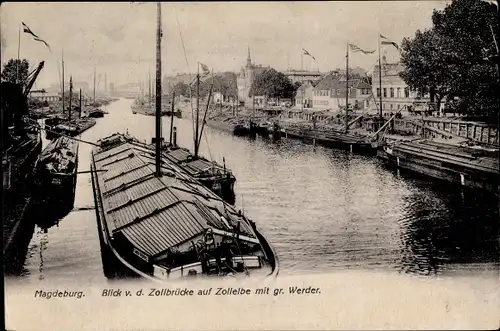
column 169, row 226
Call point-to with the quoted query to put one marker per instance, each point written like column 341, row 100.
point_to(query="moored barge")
column 55, row 173
column 476, row 168
column 169, row 226
column 217, row 178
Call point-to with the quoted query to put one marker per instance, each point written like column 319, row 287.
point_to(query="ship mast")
column 197, row 112
column 158, row 91
column 380, row 76
column 62, row 56
column 150, row 96
column 94, row 86
column 346, row 87
column 70, row 96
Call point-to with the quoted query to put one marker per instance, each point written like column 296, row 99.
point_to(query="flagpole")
column 302, row 60
column 158, row 92
column 18, row 52
column 380, row 76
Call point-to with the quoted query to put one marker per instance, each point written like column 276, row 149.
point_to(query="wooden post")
column 80, row 104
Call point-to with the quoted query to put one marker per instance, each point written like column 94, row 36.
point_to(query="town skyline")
column 119, row 38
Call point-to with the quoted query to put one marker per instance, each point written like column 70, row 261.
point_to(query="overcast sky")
column 119, row 38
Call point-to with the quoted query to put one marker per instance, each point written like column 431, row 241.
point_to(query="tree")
column 181, row 88
column 273, row 84
column 448, row 59
column 10, row 71
column 427, row 64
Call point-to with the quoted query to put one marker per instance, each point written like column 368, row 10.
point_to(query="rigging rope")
column 187, row 67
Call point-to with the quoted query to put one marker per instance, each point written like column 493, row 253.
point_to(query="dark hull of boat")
column 17, row 196
column 177, row 114
column 459, row 174
column 149, row 112
column 56, row 188
column 332, row 140
column 96, row 114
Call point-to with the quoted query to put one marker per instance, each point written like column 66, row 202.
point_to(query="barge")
column 55, row 173
column 355, row 143
column 466, row 166
column 217, row 178
column 57, row 126
column 170, row 226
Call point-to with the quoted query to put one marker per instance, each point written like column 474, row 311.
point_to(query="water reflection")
column 445, row 227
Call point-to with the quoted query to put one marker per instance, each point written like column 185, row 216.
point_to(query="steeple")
column 249, row 59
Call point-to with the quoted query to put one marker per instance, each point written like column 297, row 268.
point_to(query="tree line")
column 455, row 61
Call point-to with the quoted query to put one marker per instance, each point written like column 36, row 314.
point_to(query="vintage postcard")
column 251, row 165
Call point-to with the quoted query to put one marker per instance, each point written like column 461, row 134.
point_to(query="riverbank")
column 461, row 152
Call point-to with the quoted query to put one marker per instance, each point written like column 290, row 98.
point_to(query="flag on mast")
column 307, row 53
column 27, row 30
column 204, row 69
column 388, row 42
column 356, row 49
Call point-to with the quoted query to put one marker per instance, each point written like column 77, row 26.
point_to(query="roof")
column 328, row 82
column 153, row 213
column 353, row 83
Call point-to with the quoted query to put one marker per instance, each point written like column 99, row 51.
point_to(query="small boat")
column 96, row 113
column 215, row 177
column 55, row 172
column 177, row 113
column 170, row 226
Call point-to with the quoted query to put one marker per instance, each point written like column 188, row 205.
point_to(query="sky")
column 119, row 38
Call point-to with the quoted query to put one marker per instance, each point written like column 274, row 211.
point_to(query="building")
column 330, row 93
column 45, row 96
column 304, row 95
column 220, row 98
column 395, row 93
column 84, row 86
column 303, row 76
column 246, row 77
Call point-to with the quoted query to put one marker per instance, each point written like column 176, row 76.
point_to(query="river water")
column 324, row 210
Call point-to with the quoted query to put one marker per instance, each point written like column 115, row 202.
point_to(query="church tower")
column 249, row 59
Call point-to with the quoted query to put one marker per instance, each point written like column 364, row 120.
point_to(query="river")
column 324, row 210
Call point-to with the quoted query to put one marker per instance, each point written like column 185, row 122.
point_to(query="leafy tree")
column 273, row 84
column 10, row 73
column 448, row 60
column 427, row 64
column 181, row 88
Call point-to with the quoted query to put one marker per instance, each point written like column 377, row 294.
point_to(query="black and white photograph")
column 291, row 165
